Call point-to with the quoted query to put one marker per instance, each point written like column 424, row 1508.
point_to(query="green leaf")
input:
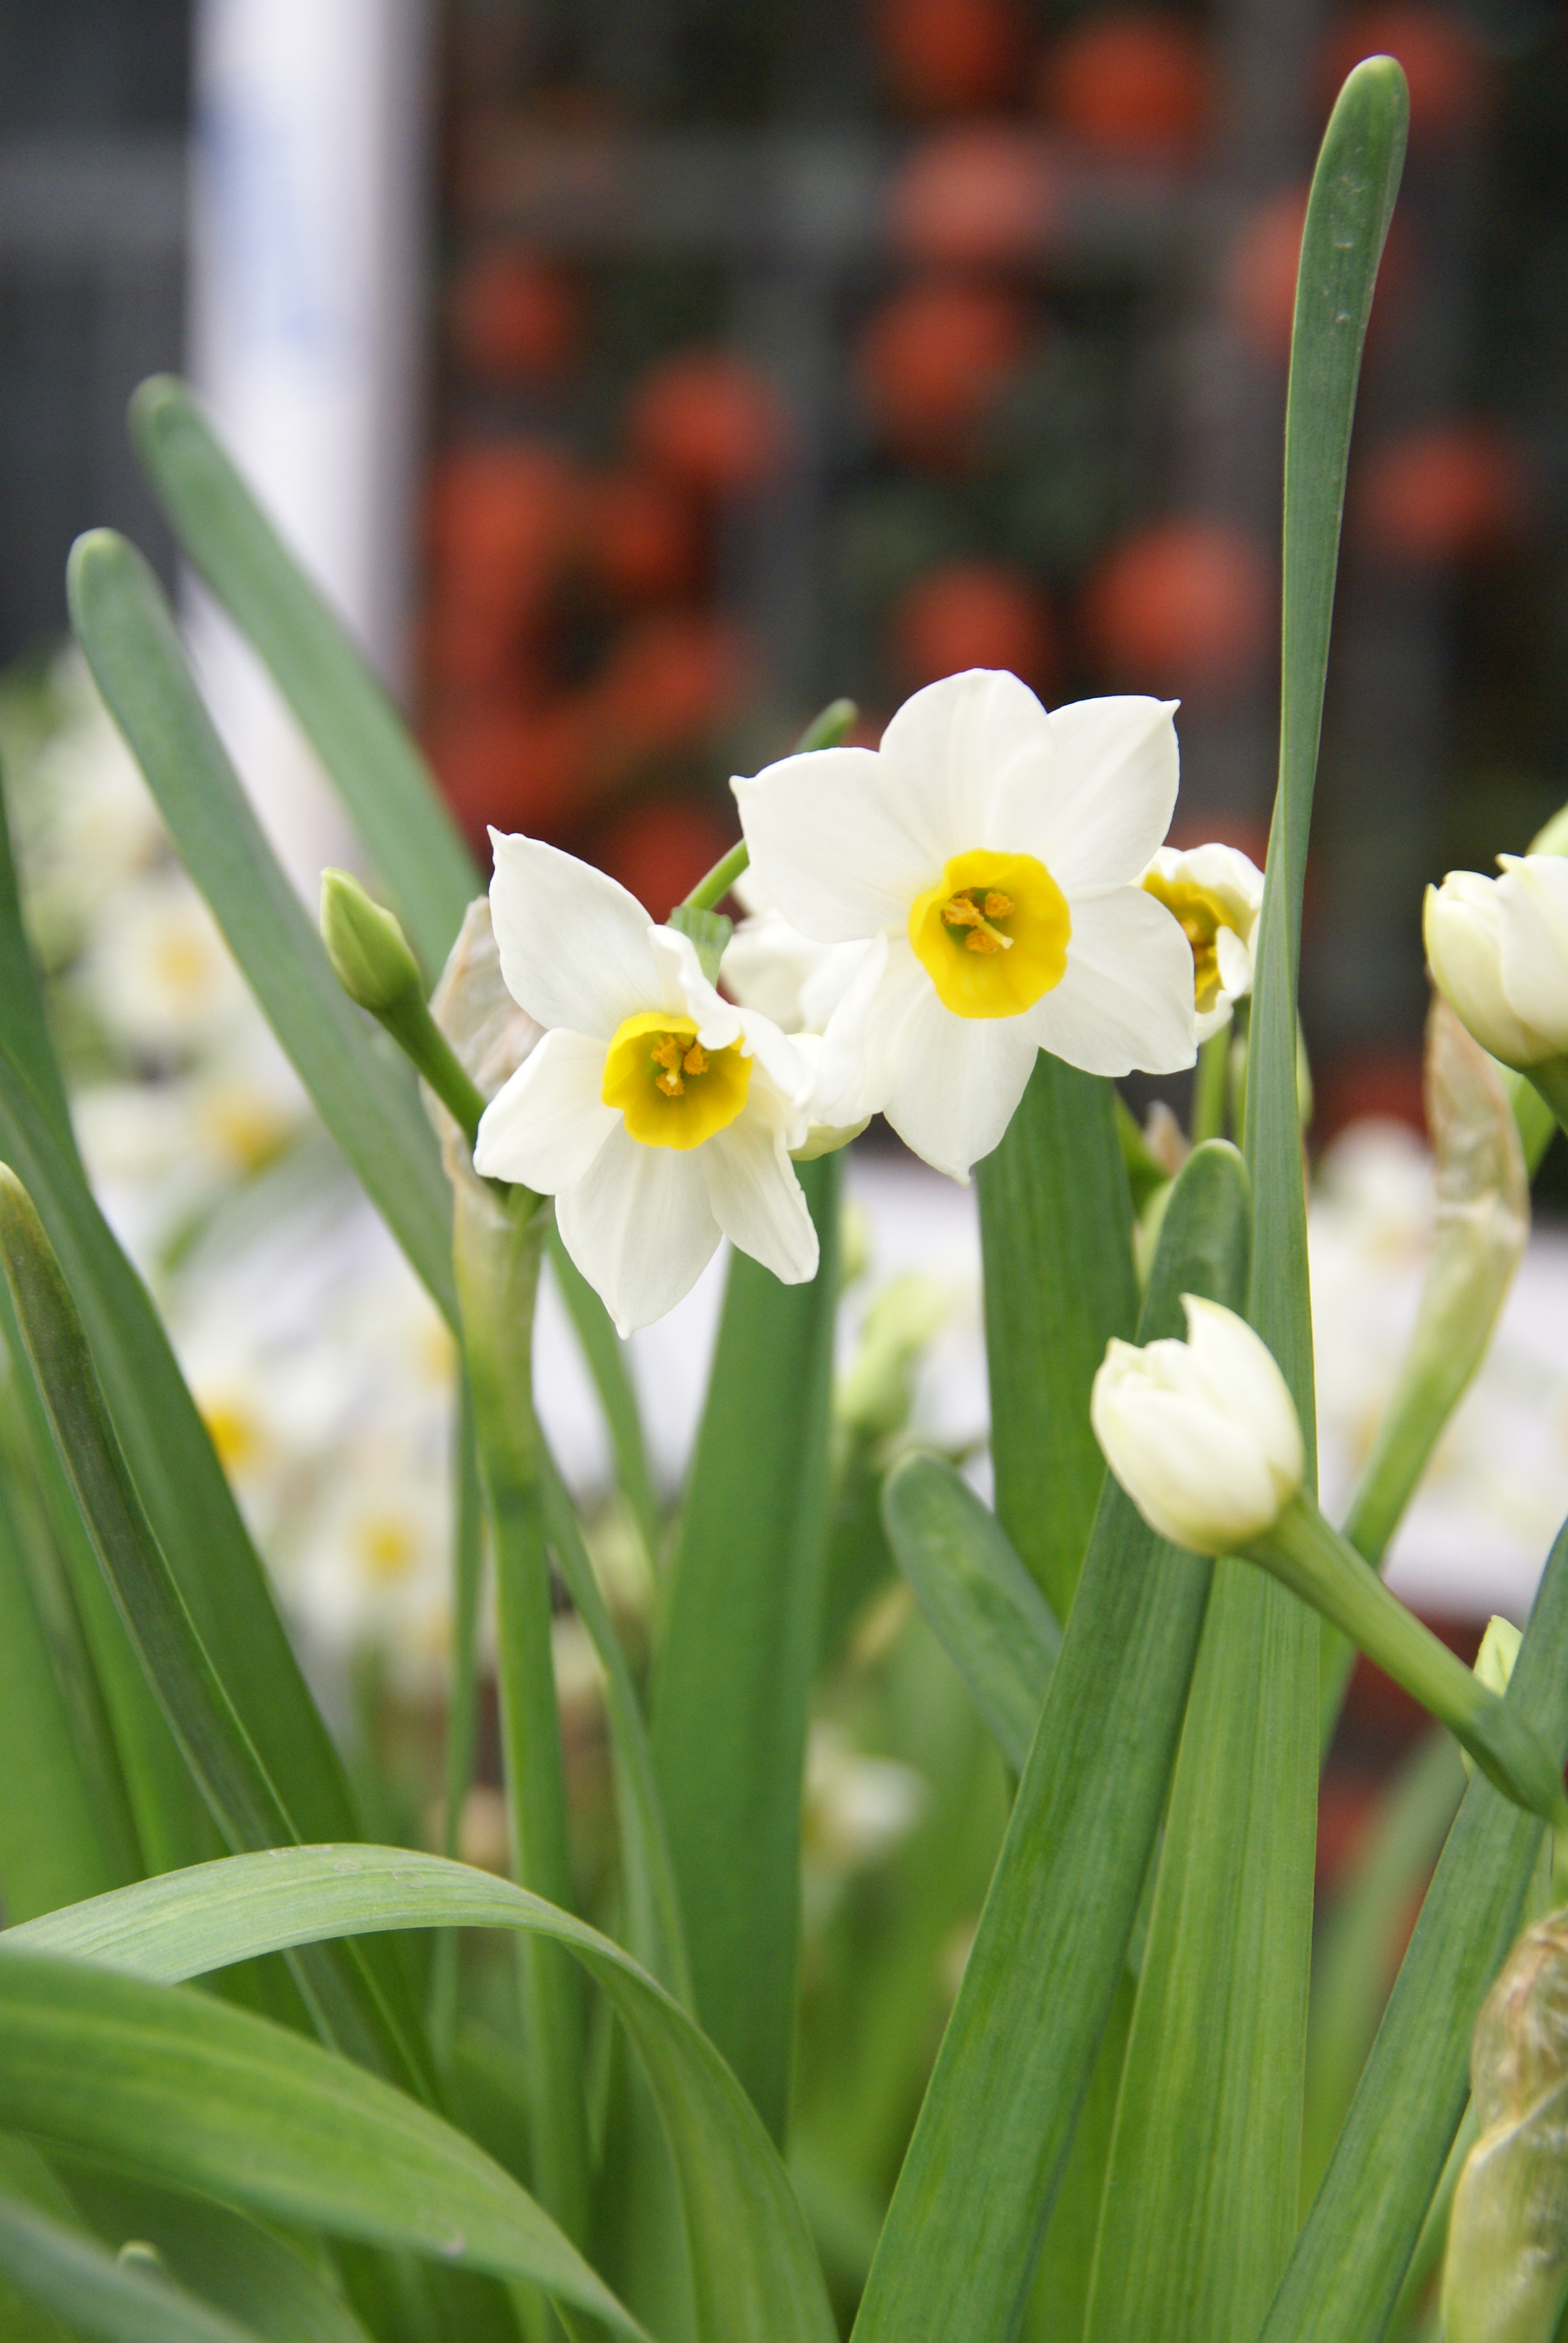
column 183, row 2090
column 988, row 1614
column 994, row 2134
column 756, row 2273
column 1241, row 1843
column 123, row 626
column 176, row 1474
column 342, row 709
column 1056, row 1238
column 52, row 1850
column 217, row 2254
column 99, row 2296
column 1344, row 2273
column 244, row 1800
column 1361, row 1937
column 737, row 1654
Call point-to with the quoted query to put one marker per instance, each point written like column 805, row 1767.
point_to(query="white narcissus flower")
column 771, row 966
column 1498, row 955
column 1203, row 1435
column 1215, row 894
column 993, row 856
column 658, row 1114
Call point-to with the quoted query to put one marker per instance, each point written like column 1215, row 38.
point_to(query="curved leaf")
column 124, row 627
column 756, row 2273
column 191, row 2091
column 98, row 2295
column 989, row 1615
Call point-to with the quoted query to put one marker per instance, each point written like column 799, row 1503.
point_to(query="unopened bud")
column 1495, row 1664
column 368, row 950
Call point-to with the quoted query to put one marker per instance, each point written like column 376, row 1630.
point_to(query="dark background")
column 781, row 351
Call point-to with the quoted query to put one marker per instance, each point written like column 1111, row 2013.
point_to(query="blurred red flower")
column 711, row 420
column 1448, row 493
column 932, row 358
column 660, row 847
column 975, row 614
column 1134, row 86
column 672, row 677
column 643, row 538
column 947, row 57
column 515, row 318
column 521, row 768
column 974, row 197
column 1182, row 607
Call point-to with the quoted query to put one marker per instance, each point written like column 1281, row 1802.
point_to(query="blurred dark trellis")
column 792, row 350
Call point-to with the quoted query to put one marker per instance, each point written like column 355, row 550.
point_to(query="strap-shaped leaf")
column 1056, row 1234
column 101, row 2296
column 739, row 1648
column 342, row 709
column 190, row 2091
column 1344, row 2273
column 991, row 1619
column 171, row 1457
column 123, row 623
column 994, row 2132
column 756, row 2273
column 1252, row 1775
column 213, row 2252
column 246, row 1802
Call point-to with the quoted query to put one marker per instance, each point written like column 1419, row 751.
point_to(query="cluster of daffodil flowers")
column 924, row 918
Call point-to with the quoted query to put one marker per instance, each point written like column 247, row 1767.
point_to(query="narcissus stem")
column 1307, row 1555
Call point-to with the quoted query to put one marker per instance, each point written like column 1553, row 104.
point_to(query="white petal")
column 684, row 991
column 832, row 852
column 965, row 759
column 1126, row 999
column 1241, row 1378
column 573, row 944
column 959, row 1080
column 1235, row 963
column 1533, row 896
column 545, row 1126
column 1113, row 791
column 757, row 1199
column 852, row 1075
column 639, row 1228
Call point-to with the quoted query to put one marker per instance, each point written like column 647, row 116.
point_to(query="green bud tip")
column 368, row 950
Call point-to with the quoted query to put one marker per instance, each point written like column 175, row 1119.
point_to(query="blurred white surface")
column 307, row 236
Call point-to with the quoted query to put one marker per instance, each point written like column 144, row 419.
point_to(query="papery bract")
column 658, row 1114
column 1203, row 1435
column 994, row 854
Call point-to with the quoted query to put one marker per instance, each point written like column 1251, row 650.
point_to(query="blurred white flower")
column 1201, row 1434
column 1215, row 894
column 992, row 855
column 157, row 971
column 657, row 1113
column 858, row 1808
column 1498, row 955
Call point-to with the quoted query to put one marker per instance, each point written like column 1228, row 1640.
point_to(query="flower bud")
column 1498, row 955
column 1203, row 1435
column 1494, row 1665
column 368, row 950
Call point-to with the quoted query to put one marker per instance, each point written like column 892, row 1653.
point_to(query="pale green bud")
column 1495, row 1664
column 368, row 950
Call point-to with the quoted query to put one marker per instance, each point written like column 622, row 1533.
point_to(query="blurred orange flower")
column 931, row 360
column 975, row 614
column 1134, row 86
column 1182, row 607
column 711, row 420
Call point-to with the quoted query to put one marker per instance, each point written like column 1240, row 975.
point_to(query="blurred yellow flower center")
column 1200, row 915
column 233, row 1433
column 671, row 1091
column 993, row 935
column 386, row 1548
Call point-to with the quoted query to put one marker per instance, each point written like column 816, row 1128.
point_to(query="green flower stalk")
column 1204, row 1438
column 1506, row 2276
